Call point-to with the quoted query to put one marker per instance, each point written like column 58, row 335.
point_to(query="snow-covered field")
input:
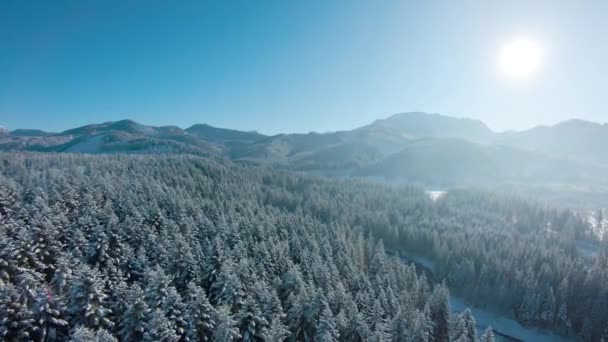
column 435, row 194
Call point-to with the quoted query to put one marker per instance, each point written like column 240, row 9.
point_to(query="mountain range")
column 430, row 149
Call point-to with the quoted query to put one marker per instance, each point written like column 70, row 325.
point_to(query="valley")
column 492, row 231
column 303, row 171
column 290, row 251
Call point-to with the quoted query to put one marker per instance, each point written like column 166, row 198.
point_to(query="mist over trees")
column 564, row 164
column 183, row 248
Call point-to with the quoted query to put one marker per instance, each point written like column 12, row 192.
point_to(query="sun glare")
column 520, row 58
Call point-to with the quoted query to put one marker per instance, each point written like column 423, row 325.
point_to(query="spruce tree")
column 201, row 314
column 440, row 312
column 488, row 335
column 159, row 328
column 133, row 323
column 87, row 300
column 82, row 334
column 327, row 330
column 225, row 329
column 49, row 316
column 16, row 317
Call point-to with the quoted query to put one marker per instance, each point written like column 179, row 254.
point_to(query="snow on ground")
column 508, row 329
column 90, row 145
column 504, row 325
column 592, row 219
column 434, row 195
column 420, row 261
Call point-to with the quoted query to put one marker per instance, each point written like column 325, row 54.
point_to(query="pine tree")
column 87, row 304
column 183, row 264
column 82, row 334
column 252, row 324
column 159, row 328
column 277, row 332
column 201, row 314
column 157, row 288
column 327, row 330
column 62, row 275
column 562, row 317
column 227, row 288
column 470, row 324
column 16, row 317
column 8, row 265
column 399, row 329
column 49, row 316
column 487, row 336
column 377, row 264
column 117, row 289
column 548, row 307
column 134, row 321
column 440, row 312
column 136, row 265
column 357, row 328
column 225, row 329
column 464, row 327
column 98, row 247
column 291, row 283
column 302, row 313
column 25, row 253
column 8, row 199
column 46, row 245
column 175, row 310
column 217, row 252
column 375, row 317
column 529, row 310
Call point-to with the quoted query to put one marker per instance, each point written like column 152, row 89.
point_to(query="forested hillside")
column 178, row 248
column 181, row 248
column 563, row 164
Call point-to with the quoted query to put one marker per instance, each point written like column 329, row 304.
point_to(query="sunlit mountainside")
column 568, row 159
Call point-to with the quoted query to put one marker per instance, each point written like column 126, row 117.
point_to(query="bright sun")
column 520, row 58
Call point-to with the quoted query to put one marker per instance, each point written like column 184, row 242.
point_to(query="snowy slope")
column 504, row 325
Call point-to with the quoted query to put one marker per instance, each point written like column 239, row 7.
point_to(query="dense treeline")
column 184, row 248
column 150, row 248
column 514, row 256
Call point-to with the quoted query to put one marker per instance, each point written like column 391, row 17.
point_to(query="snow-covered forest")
column 183, row 248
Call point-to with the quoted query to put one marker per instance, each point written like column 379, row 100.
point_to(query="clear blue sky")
column 295, row 66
